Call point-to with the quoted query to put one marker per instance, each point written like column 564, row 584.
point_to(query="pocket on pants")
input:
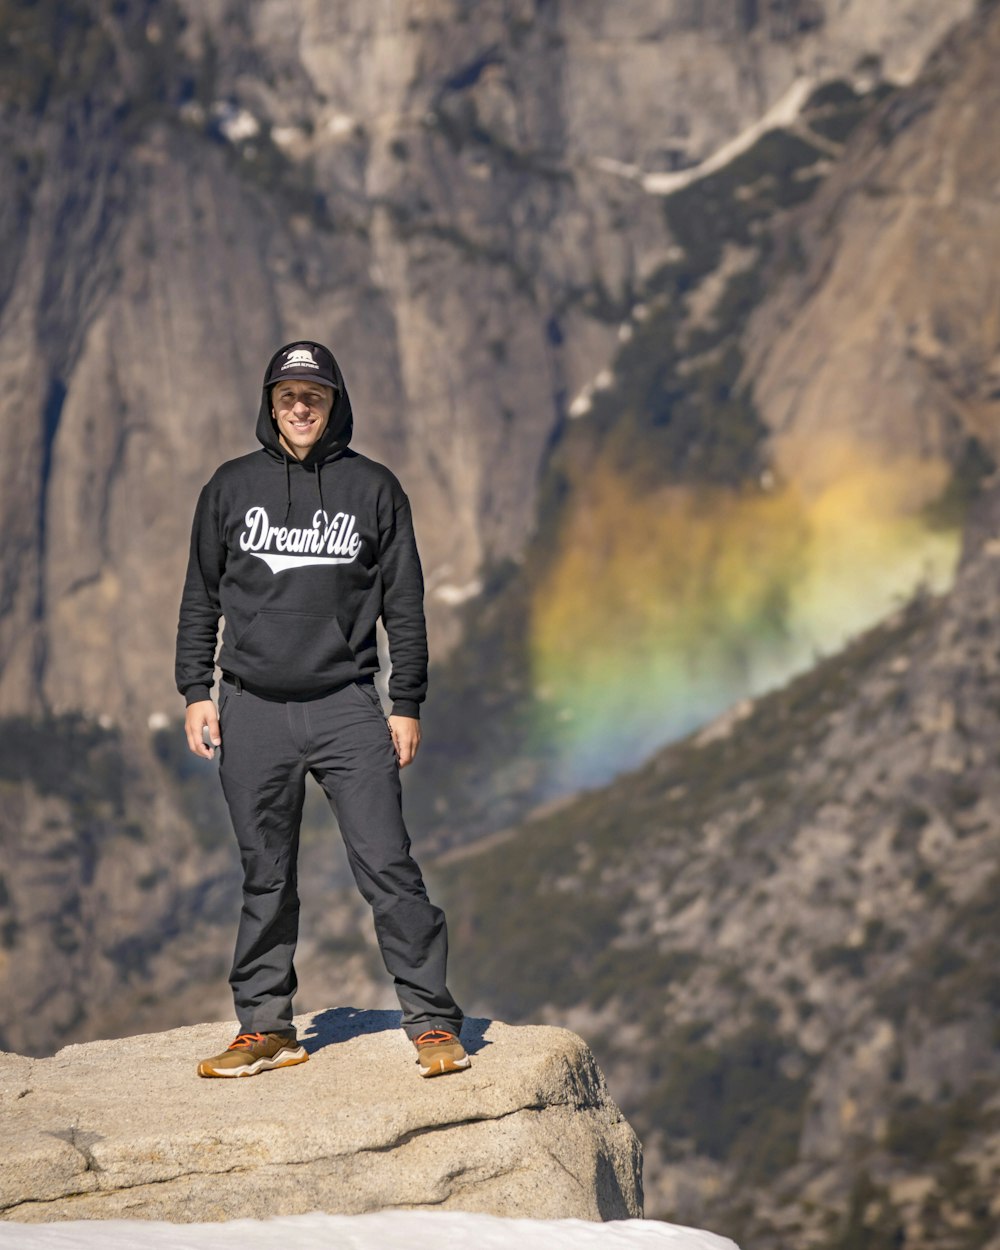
column 225, row 690
column 371, row 695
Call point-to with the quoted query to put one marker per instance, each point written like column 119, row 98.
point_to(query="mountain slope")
column 779, row 936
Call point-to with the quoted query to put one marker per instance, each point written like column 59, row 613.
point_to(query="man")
column 301, row 546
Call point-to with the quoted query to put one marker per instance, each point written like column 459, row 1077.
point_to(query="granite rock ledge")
column 125, row 1129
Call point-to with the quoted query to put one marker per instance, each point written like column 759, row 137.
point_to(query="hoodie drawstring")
column 288, row 486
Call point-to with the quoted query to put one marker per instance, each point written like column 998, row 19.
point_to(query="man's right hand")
column 198, row 716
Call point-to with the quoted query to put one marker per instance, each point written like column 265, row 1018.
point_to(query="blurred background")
column 680, row 324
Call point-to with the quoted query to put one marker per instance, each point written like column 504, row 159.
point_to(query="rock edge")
column 126, row 1129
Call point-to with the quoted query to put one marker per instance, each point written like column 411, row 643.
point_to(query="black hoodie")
column 301, row 558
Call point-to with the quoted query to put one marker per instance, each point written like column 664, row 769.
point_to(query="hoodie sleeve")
column 403, row 608
column 198, row 627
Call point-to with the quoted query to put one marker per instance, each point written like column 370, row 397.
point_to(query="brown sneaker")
column 251, row 1053
column 439, row 1052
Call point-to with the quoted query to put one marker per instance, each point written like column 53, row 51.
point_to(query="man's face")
column 302, row 410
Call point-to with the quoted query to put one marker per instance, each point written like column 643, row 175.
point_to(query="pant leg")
column 263, row 778
column 352, row 757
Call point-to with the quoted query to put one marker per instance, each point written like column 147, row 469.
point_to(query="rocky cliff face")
column 882, row 334
column 721, row 507
column 111, row 885
column 445, row 193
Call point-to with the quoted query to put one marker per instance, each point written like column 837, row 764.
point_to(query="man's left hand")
column 405, row 732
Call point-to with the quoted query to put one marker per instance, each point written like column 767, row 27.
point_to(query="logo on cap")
column 301, row 358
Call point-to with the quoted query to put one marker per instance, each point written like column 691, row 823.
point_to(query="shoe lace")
column 434, row 1037
column 245, row 1040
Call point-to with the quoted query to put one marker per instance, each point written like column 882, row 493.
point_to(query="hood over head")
column 307, row 360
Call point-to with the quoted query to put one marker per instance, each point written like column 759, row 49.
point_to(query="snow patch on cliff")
column 384, row 1230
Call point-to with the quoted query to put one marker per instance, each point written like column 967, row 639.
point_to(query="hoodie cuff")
column 196, row 694
column 405, row 707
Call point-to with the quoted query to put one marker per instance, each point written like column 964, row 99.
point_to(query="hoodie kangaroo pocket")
column 294, row 652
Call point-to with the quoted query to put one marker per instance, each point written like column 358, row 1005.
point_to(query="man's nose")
column 300, row 404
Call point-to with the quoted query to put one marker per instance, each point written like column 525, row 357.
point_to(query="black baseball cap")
column 303, row 361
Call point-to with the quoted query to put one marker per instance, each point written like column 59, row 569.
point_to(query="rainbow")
column 661, row 609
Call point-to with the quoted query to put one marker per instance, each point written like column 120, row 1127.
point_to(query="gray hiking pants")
column 343, row 739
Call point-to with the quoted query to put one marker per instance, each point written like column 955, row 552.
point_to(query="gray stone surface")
column 126, row 1129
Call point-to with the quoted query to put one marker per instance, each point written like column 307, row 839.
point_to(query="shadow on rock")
column 340, row 1024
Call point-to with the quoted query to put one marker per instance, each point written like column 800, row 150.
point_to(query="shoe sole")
column 283, row 1059
column 441, row 1066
